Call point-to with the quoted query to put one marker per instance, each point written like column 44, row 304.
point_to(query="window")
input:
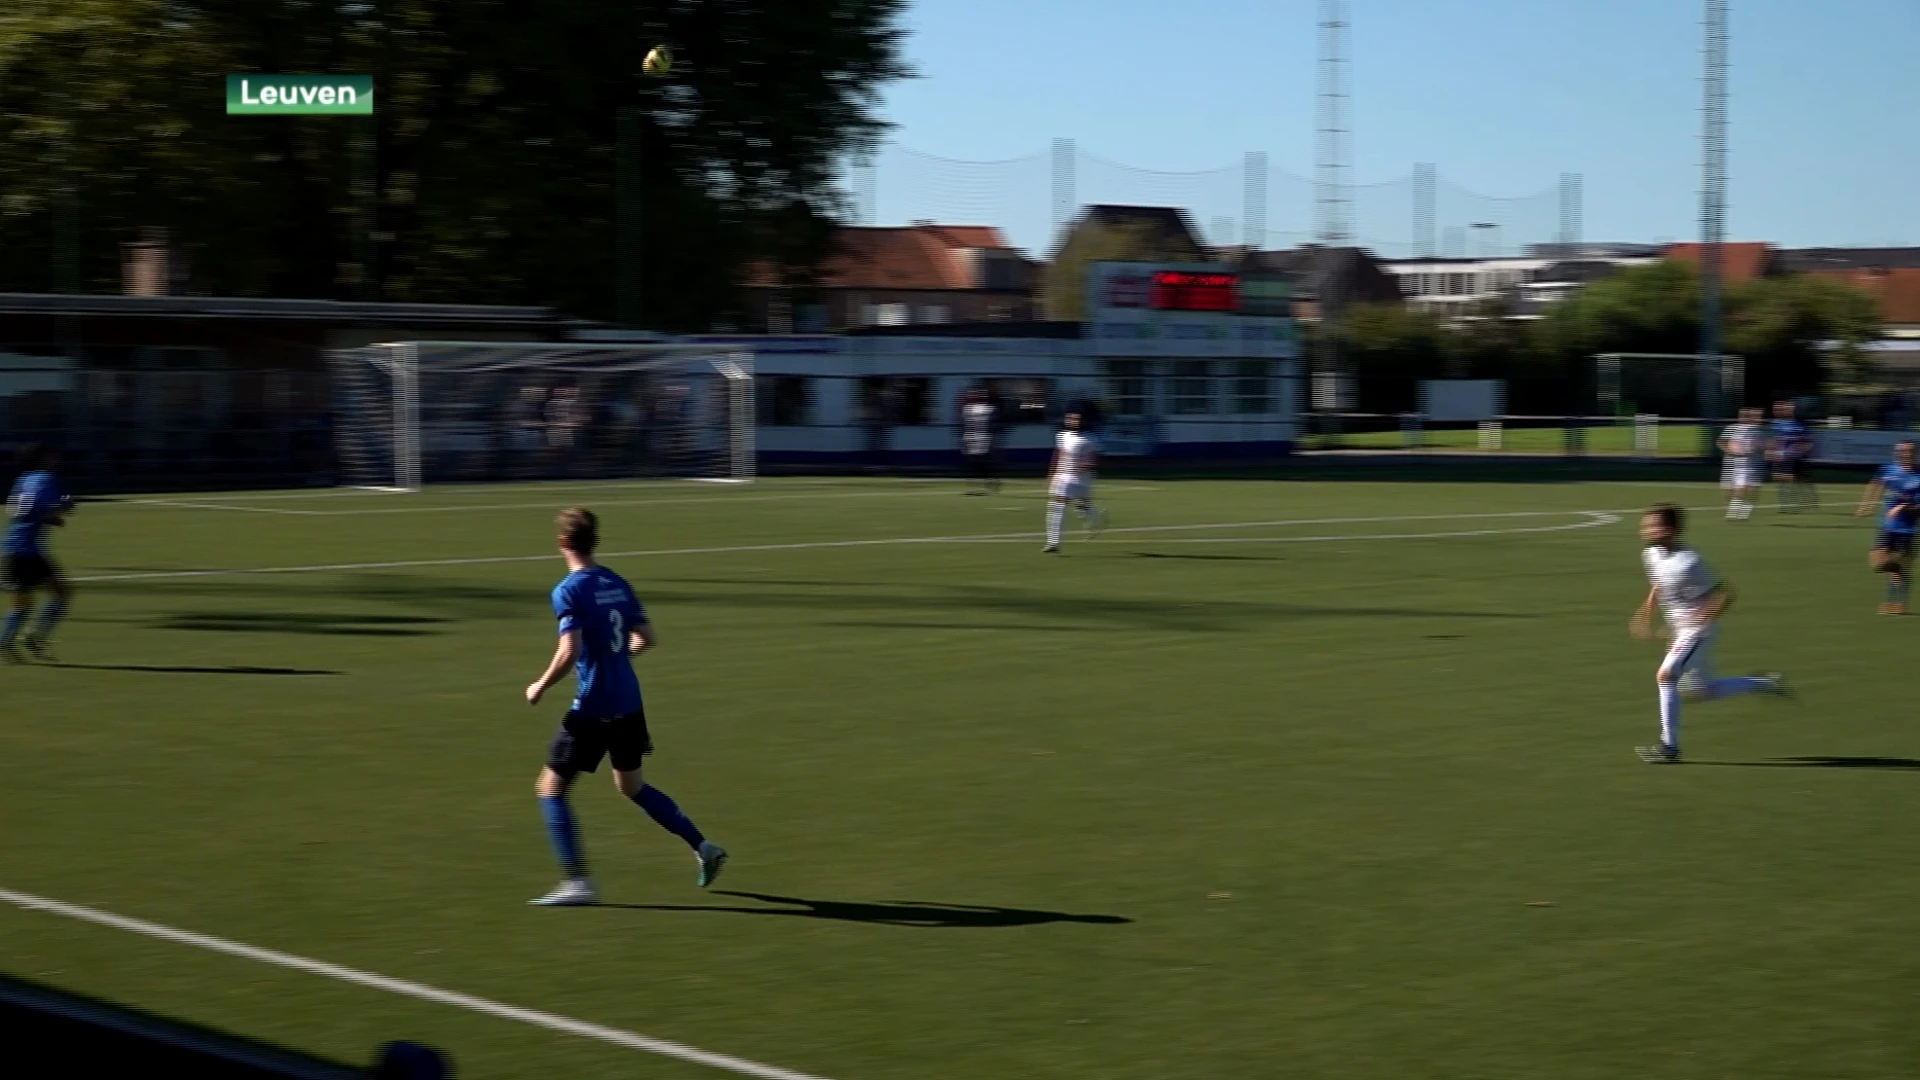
column 1192, row 390
column 1127, row 387
column 1252, row 387
column 913, row 402
column 784, row 400
column 885, row 315
column 1022, row 401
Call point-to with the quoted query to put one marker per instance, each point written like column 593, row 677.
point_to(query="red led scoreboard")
column 1193, row 290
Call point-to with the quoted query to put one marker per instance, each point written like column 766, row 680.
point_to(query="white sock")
column 1056, row 512
column 1670, row 715
column 1734, row 687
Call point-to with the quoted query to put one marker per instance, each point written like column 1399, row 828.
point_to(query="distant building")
column 1352, row 274
column 1523, row 287
column 1739, row 263
column 914, row 275
column 1892, row 275
column 1111, row 233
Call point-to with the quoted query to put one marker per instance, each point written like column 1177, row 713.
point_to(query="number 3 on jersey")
column 618, row 644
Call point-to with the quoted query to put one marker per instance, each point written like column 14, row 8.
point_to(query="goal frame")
column 401, row 362
column 1713, row 398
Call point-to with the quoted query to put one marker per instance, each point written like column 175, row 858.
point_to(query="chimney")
column 146, row 265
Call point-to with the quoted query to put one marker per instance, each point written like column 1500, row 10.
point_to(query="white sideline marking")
column 550, row 503
column 565, row 1025
column 980, row 538
column 1595, row 519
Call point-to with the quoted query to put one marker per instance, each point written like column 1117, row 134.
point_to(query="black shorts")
column 25, row 572
column 1790, row 469
column 1894, row 543
column 581, row 742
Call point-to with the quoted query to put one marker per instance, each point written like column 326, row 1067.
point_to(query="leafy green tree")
column 493, row 145
column 1064, row 281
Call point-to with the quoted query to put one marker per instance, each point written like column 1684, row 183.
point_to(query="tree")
column 1391, row 348
column 1064, row 281
column 494, row 141
column 1785, row 327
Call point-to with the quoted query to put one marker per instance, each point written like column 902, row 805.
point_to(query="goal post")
column 1685, row 387
column 411, row 413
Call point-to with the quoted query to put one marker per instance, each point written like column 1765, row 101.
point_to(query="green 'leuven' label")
column 300, row 95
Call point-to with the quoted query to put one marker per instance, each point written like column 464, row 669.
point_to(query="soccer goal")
column 1680, row 389
column 422, row 412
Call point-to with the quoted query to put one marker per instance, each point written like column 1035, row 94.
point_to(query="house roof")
column 244, row 307
column 1166, row 220
column 1801, row 260
column 1896, row 291
column 1739, row 262
column 919, row 256
column 1348, row 266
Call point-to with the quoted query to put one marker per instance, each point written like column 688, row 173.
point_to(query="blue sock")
column 666, row 813
column 564, row 835
column 50, row 613
column 1894, row 590
column 12, row 628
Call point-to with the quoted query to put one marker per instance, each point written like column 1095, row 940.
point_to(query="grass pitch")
column 1315, row 793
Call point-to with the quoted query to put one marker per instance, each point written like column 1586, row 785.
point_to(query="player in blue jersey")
column 601, row 626
column 1896, row 491
column 1789, row 449
column 37, row 504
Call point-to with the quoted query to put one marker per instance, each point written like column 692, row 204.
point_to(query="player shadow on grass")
column 889, row 913
column 1202, row 558
column 1886, row 764
column 161, row 669
column 294, row 622
column 981, row 600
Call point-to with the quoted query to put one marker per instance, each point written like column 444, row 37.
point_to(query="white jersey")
column 1746, row 444
column 1682, row 580
column 1076, row 457
column 977, row 427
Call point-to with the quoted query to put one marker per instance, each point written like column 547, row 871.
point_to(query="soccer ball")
column 659, row 61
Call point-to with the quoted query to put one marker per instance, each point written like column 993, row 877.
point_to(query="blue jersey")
column 600, row 605
column 1790, row 436
column 1902, row 491
column 36, row 501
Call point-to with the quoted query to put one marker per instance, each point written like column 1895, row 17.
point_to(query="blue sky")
column 1503, row 96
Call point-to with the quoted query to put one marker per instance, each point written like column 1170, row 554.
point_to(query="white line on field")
column 565, row 1025
column 550, row 504
column 734, row 549
column 1595, row 519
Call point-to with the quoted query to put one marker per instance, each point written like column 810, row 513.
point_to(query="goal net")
column 423, row 412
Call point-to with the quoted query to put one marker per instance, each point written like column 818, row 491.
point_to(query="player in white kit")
column 1692, row 599
column 1745, row 448
column 1070, row 480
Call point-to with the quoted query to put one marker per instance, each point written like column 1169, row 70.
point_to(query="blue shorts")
column 1894, row 543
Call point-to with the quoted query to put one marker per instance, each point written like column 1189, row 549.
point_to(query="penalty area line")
column 819, row 545
column 420, row 991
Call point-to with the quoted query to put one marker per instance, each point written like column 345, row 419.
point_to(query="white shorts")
column 1690, row 659
column 1740, row 475
column 1072, row 489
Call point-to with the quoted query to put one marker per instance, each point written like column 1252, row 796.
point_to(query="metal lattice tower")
column 1570, row 212
column 1713, row 205
column 1423, row 211
column 1254, row 213
column 1333, row 204
column 1064, row 199
column 866, row 176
